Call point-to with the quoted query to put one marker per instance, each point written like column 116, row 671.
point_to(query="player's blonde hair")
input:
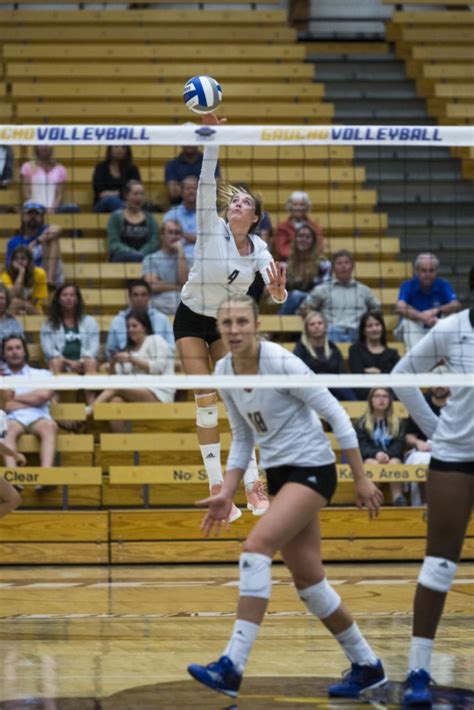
column 240, row 300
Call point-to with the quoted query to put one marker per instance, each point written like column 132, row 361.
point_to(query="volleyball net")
column 383, row 193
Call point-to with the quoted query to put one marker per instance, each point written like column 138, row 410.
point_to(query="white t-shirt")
column 452, row 433
column 156, row 351
column 218, row 269
column 284, row 422
column 29, row 415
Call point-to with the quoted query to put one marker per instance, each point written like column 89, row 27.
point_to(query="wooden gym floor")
column 121, row 638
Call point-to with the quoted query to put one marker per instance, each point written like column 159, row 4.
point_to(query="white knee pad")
column 321, row 599
column 255, row 575
column 207, row 417
column 437, row 574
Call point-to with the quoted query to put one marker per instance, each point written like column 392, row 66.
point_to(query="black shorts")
column 188, row 324
column 322, row 479
column 452, row 466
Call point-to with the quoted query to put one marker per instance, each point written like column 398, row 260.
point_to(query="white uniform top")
column 218, row 270
column 284, row 422
column 452, row 433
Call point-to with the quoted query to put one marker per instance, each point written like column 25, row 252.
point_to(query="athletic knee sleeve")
column 206, row 417
column 321, row 599
column 255, row 575
column 437, row 574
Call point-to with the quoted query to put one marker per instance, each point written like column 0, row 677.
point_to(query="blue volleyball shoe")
column 358, row 679
column 221, row 675
column 417, row 689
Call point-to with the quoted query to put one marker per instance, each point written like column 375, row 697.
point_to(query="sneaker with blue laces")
column 221, row 675
column 417, row 690
column 358, row 679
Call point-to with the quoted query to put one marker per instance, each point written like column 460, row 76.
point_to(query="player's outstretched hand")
column 276, row 273
column 210, row 119
column 369, row 496
column 218, row 513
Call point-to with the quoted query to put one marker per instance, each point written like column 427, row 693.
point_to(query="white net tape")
column 185, row 382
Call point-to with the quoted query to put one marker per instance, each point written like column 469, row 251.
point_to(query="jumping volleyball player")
column 450, row 486
column 226, row 258
column 301, row 476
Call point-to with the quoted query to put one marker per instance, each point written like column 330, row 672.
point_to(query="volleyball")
column 202, row 94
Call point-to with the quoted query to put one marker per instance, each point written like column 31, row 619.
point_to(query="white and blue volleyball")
column 202, row 94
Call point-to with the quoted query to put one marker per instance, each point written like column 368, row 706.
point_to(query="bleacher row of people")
column 140, row 341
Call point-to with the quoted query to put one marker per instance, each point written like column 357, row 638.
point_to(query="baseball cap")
column 30, row 205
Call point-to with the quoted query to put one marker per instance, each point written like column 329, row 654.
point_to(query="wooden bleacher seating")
column 441, row 37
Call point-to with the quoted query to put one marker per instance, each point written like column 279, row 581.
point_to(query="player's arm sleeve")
column 421, row 358
column 323, row 402
column 207, row 217
column 264, row 261
column 242, row 436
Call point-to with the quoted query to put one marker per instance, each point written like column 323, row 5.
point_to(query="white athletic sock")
column 251, row 474
column 420, row 653
column 356, row 647
column 211, row 455
column 241, row 642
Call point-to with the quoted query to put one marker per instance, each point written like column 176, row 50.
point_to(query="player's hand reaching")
column 276, row 273
column 210, row 119
column 219, row 508
column 369, row 496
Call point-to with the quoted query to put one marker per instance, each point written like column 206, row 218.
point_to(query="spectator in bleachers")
column 28, row 409
column 8, row 323
column 7, row 166
column 139, row 296
column 188, row 162
column 417, row 443
column 424, row 299
column 70, row 339
column 145, row 354
column 306, row 268
column 166, row 270
column 381, row 435
column 26, row 283
column 370, row 354
column 342, row 300
column 42, row 240
column 7, row 163
column 321, row 355
column 132, row 233
column 110, row 177
column 44, row 180
column 299, row 207
column 185, row 213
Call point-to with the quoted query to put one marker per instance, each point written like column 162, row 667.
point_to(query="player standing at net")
column 301, row 477
column 450, row 485
column 227, row 256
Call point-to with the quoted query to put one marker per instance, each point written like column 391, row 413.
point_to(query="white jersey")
column 452, row 433
column 218, row 270
column 284, row 422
